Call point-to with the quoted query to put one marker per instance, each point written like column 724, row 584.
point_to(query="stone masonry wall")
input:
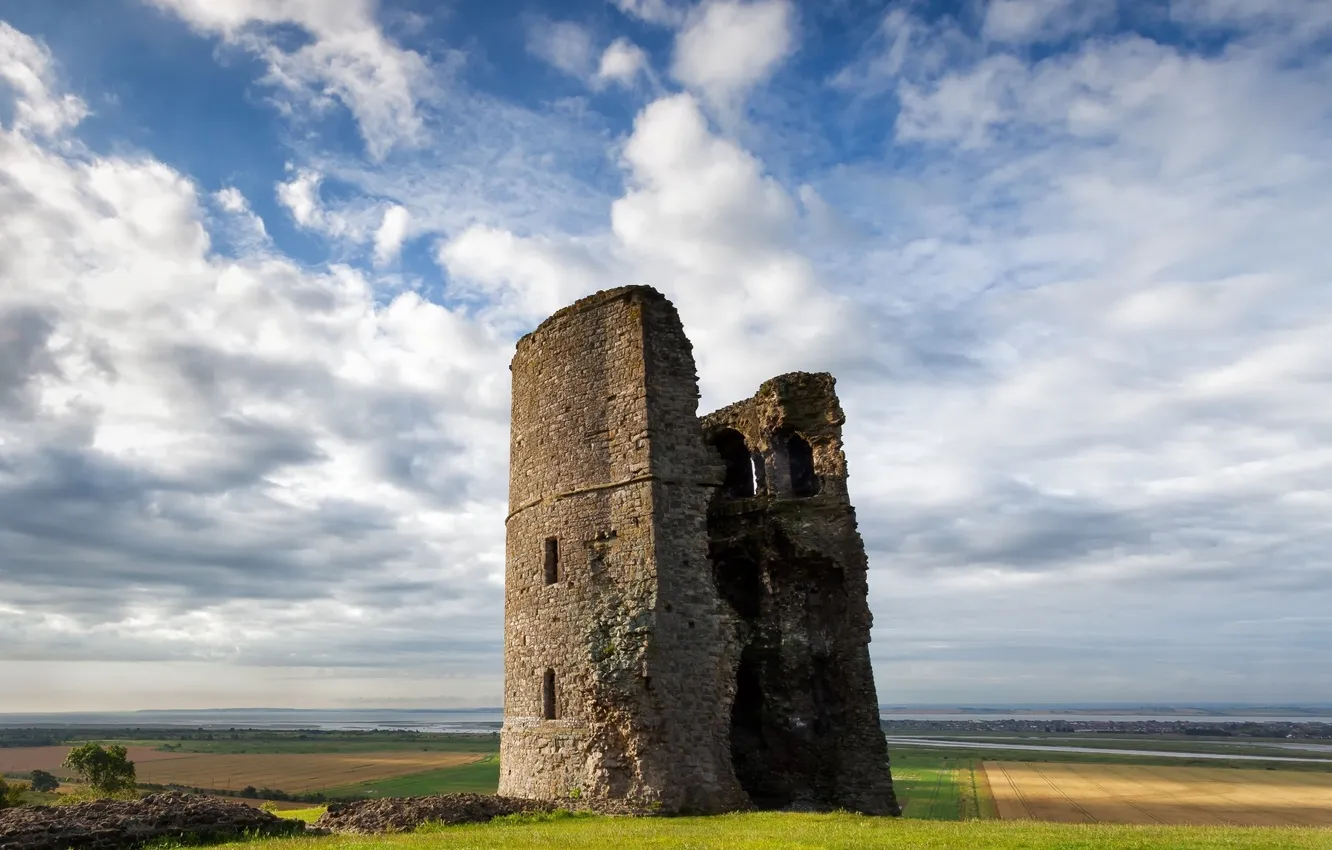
column 805, row 724
column 599, row 461
column 692, row 650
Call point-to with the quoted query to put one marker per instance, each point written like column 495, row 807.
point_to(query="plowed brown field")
column 1110, row 793
column 288, row 772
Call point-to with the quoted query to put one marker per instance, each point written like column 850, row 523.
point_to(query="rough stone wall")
column 702, row 652
column 790, row 561
column 602, row 461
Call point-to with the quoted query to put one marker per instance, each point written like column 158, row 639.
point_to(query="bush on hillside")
column 44, row 782
column 107, row 770
column 13, row 795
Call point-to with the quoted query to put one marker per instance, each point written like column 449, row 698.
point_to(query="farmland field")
column 291, row 772
column 940, row 787
column 1135, row 794
column 477, row 777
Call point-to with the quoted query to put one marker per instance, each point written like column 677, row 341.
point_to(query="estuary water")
column 481, row 720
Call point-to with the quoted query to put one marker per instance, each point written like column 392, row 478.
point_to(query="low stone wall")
column 122, row 825
column 403, row 814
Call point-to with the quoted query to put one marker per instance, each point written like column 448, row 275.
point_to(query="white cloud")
column 205, row 452
column 1028, row 21
column 300, row 196
column 391, row 233
column 662, row 12
column 622, row 62
column 242, row 226
column 351, row 222
column 231, row 200
column 26, row 67
column 1077, row 313
column 524, row 279
column 566, row 45
column 349, row 59
column 728, row 46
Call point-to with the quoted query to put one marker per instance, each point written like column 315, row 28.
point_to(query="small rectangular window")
column 552, row 560
column 548, row 695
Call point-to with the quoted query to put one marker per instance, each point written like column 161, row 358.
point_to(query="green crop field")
column 937, row 786
column 828, row 832
column 479, row 777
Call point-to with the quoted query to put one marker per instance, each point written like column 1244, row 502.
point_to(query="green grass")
column 308, row 815
column 828, row 832
column 480, row 777
column 934, row 785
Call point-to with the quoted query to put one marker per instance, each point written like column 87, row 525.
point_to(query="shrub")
column 44, row 782
column 13, row 795
column 107, row 770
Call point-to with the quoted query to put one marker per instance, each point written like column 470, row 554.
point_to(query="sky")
column 263, row 264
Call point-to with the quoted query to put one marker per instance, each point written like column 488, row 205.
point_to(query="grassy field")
column 829, row 832
column 478, row 777
column 1090, row 793
column 940, row 787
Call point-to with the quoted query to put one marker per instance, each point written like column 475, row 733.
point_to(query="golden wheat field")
column 288, row 772
column 1110, row 793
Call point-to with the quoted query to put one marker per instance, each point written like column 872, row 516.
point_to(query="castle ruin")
column 686, row 624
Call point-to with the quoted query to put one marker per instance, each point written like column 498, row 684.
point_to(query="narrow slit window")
column 552, row 560
column 760, row 474
column 548, row 695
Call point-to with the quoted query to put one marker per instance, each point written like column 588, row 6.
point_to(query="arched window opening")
column 739, row 480
column 552, row 560
column 548, row 695
column 801, row 457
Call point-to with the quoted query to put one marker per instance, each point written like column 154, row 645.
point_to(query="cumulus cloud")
column 661, row 12
column 347, row 59
column 566, row 45
column 1077, row 311
column 26, row 68
column 1027, row 21
column 351, row 222
column 726, row 47
column 391, row 233
column 621, row 63
column 228, row 457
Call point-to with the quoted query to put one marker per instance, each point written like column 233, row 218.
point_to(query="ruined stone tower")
column 686, row 625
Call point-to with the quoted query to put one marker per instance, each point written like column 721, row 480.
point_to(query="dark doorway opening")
column 739, row 480
column 801, row 457
column 750, row 754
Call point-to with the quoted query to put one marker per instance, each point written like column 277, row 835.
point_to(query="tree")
column 43, row 781
column 108, row 771
column 12, row 795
